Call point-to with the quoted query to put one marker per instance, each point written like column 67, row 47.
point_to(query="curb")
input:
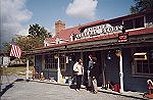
column 48, row 82
column 116, row 93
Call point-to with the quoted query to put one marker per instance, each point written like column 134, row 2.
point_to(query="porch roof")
column 136, row 38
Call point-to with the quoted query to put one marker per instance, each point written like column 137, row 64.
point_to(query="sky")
column 17, row 15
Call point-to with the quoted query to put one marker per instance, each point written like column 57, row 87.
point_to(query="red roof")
column 131, row 33
column 51, row 39
column 92, row 23
column 65, row 34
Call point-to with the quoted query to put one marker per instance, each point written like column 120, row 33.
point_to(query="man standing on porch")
column 90, row 66
column 93, row 75
column 79, row 71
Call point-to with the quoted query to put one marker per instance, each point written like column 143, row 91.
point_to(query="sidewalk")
column 6, row 85
column 130, row 94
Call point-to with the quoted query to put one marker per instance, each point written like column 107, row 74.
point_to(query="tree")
column 26, row 43
column 38, row 33
column 141, row 6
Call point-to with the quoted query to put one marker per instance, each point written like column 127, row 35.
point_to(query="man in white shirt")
column 79, row 71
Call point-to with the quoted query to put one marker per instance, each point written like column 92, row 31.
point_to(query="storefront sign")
column 103, row 29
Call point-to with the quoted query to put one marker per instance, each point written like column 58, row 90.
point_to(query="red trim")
column 141, row 31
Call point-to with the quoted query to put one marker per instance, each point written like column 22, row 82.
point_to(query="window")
column 50, row 62
column 149, row 20
column 143, row 61
column 134, row 23
column 128, row 24
column 139, row 22
column 62, row 62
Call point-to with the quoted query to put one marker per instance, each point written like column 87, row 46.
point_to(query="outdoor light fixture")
column 108, row 56
column 70, row 58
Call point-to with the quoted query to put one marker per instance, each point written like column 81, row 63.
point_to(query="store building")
column 123, row 47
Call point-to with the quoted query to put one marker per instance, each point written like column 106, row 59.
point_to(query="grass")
column 20, row 71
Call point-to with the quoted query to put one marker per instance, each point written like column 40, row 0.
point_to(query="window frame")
column 135, row 72
column 63, row 64
column 133, row 20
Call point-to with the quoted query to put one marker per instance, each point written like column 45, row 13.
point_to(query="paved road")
column 42, row 91
column 6, row 80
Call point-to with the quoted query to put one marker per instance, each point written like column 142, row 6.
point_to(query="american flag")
column 15, row 51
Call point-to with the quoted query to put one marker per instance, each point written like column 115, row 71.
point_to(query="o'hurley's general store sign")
column 98, row 30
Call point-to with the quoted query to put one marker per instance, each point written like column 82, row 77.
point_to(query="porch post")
column 58, row 70
column 27, row 70
column 121, row 72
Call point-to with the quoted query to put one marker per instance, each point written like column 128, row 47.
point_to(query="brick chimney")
column 59, row 25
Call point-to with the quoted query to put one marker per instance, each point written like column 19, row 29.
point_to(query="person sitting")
column 35, row 74
column 150, row 86
column 150, row 89
column 42, row 76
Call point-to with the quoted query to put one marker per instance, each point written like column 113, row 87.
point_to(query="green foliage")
column 37, row 32
column 25, row 43
column 141, row 5
column 35, row 39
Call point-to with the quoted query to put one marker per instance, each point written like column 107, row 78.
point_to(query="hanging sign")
column 122, row 37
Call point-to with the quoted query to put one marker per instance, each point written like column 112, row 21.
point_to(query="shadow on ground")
column 9, row 86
